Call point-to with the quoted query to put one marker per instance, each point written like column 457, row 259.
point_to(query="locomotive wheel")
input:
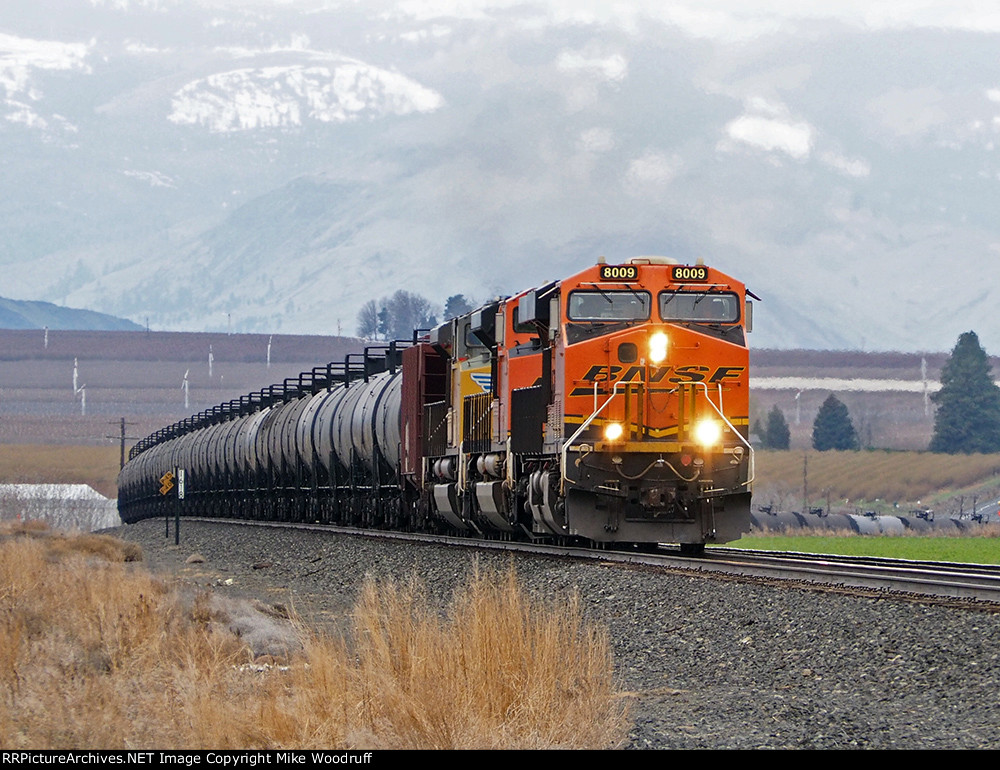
column 693, row 549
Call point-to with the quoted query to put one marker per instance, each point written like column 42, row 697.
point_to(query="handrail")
column 597, row 410
column 718, row 410
column 581, row 429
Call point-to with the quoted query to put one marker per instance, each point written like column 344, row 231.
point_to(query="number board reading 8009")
column 689, row 273
column 619, row 273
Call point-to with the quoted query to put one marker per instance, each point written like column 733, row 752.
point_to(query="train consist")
column 610, row 407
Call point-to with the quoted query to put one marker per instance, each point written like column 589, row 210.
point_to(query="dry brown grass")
column 877, row 475
column 95, row 653
column 52, row 464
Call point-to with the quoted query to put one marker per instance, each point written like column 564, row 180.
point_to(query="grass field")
column 95, row 653
column 981, row 546
column 882, row 480
column 97, row 466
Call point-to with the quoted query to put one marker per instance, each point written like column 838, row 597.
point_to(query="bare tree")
column 368, row 320
column 408, row 311
column 395, row 317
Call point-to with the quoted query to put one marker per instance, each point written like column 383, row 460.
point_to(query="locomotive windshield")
column 699, row 307
column 602, row 305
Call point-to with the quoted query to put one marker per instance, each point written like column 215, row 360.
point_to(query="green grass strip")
column 972, row 550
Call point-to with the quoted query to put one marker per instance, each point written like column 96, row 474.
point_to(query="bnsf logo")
column 678, row 375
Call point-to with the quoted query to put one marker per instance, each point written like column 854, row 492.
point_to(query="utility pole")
column 923, row 378
column 123, row 437
column 805, row 483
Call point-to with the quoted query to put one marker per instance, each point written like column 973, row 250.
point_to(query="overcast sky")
column 726, row 18
column 732, row 19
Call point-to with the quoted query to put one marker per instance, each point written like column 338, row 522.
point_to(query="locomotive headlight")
column 708, row 432
column 613, row 431
column 657, row 347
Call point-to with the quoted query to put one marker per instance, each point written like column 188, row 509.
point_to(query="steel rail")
column 980, row 582
column 975, row 582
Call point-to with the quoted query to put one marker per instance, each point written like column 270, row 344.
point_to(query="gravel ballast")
column 707, row 663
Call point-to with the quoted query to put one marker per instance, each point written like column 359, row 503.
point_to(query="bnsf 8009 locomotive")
column 611, row 406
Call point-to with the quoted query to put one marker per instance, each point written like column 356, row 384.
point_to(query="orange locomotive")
column 611, row 406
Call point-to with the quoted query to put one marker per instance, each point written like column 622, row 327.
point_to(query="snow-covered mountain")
column 273, row 164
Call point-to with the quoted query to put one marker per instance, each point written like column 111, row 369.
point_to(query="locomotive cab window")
column 472, row 341
column 699, row 306
column 472, row 348
column 608, row 306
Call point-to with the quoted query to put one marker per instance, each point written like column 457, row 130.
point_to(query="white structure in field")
column 62, row 506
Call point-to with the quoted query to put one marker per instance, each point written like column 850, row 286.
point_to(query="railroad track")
column 975, row 582
column 917, row 581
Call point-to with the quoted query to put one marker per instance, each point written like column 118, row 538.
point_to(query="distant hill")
column 23, row 314
column 269, row 166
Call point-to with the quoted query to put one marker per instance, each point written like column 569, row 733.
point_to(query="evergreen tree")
column 456, row 305
column 832, row 428
column 968, row 414
column 383, row 321
column 776, row 435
